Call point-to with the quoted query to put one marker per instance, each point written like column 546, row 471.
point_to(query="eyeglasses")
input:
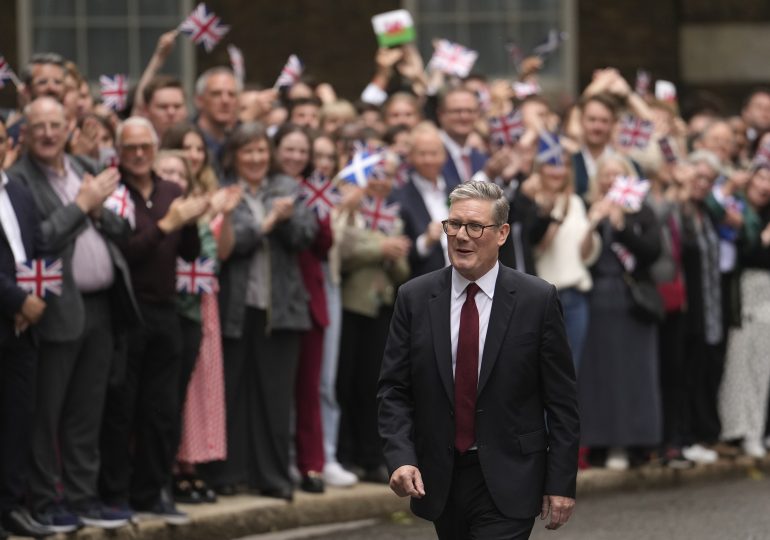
column 474, row 230
column 134, row 148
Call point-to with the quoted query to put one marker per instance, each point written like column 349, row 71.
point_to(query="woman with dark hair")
column 263, row 306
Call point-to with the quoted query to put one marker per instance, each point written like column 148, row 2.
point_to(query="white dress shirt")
column 435, row 198
column 591, row 162
column 9, row 222
column 483, row 300
column 457, row 153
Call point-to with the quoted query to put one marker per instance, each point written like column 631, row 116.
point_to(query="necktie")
column 468, row 166
column 466, row 372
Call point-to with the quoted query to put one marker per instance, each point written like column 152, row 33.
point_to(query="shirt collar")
column 454, row 148
column 53, row 174
column 486, row 282
column 424, row 185
column 3, row 180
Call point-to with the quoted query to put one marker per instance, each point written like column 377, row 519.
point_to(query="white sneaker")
column 334, row 475
column 700, row 454
column 617, row 459
column 754, row 449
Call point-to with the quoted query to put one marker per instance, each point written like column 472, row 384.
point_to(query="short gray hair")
column 485, row 191
column 709, row 158
column 203, row 79
column 136, row 121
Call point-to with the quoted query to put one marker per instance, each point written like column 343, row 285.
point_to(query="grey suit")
column 76, row 348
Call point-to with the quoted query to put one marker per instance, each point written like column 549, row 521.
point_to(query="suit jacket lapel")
column 439, row 309
column 503, row 306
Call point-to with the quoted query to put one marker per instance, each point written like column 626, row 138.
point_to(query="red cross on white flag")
column 122, row 204
column 204, row 27
column 114, row 91
column 453, row 58
column 634, row 132
column 196, row 277
column 319, row 194
column 507, row 129
column 628, row 192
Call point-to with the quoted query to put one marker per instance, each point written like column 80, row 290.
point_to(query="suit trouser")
column 143, row 408
column 18, row 366
column 72, row 383
column 361, row 349
column 259, row 389
column 470, row 512
column 192, row 335
column 675, row 384
column 707, row 363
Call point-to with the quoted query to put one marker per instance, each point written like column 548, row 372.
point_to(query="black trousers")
column 143, row 409
column 361, row 348
column 259, row 391
column 191, row 345
column 707, row 367
column 470, row 513
column 72, row 379
column 675, row 381
column 18, row 367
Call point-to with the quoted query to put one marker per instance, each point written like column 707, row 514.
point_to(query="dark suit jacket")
column 11, row 296
column 581, row 172
column 450, row 174
column 526, row 370
column 528, row 226
column 61, row 224
column 416, row 218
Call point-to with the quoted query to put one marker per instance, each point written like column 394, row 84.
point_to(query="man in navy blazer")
column 458, row 111
column 477, row 395
column 18, row 353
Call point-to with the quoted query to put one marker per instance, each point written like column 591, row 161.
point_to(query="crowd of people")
column 123, row 394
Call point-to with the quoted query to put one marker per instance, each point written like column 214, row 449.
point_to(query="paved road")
column 729, row 510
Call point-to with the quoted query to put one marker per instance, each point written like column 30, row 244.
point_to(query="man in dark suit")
column 458, row 111
column 78, row 329
column 477, row 398
column 19, row 242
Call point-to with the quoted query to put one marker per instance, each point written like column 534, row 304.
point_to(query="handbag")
column 647, row 303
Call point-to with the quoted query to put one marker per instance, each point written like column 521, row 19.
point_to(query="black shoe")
column 184, row 491
column 287, row 494
column 226, row 490
column 205, row 493
column 312, row 483
column 19, row 523
column 3, row 534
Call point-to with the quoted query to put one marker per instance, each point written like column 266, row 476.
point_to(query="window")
column 105, row 36
column 487, row 25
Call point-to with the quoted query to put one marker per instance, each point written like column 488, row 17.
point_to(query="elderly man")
column 77, row 330
column 143, row 406
column 477, row 397
column 458, row 111
column 216, row 98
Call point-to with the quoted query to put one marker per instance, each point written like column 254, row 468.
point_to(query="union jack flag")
column 628, row 192
column 236, row 61
column 525, row 89
column 667, row 150
column 642, row 85
column 634, row 132
column 114, row 91
column 6, row 73
column 319, row 194
column 379, row 215
column 362, row 166
column 122, row 204
column 290, row 73
column 196, row 277
column 204, row 27
column 41, row 277
column 453, row 58
column 506, row 129
column 624, row 255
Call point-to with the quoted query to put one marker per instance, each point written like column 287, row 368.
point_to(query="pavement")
column 244, row 515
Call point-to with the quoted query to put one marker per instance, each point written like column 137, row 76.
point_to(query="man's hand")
column 183, row 211
column 166, row 44
column 94, row 190
column 560, row 508
column 406, row 481
column 31, row 312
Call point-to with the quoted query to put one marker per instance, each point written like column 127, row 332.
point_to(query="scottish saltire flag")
column 642, row 85
column 507, row 129
column 196, row 277
column 6, row 73
column 379, row 215
column 549, row 151
column 237, row 63
column 551, row 43
column 453, row 58
column 114, row 91
column 628, row 192
column 122, row 204
column 41, row 277
column 362, row 167
column 204, row 27
column 634, row 132
column 290, row 73
column 319, row 194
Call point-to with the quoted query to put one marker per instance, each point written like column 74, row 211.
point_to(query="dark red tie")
column 467, row 372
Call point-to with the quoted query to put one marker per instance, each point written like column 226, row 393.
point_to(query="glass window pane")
column 52, row 8
column 159, row 7
column 436, row 6
column 58, row 40
column 148, row 39
column 107, row 51
column 489, row 40
column 106, row 7
column 427, row 32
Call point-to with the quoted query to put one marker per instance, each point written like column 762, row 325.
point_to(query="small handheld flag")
column 665, row 91
column 319, row 194
column 525, row 89
column 290, row 73
column 41, row 277
column 628, row 192
column 196, row 277
column 642, row 85
column 393, row 28
column 379, row 215
column 204, row 27
column 237, row 63
column 361, row 167
column 453, row 58
column 122, row 204
column 507, row 129
column 634, row 132
column 667, row 150
column 114, row 91
column 7, row 74
column 551, row 43
column 549, row 150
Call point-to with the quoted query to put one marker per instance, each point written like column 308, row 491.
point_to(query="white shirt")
column 9, row 222
column 457, row 152
column 591, row 162
column 435, row 199
column 483, row 300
